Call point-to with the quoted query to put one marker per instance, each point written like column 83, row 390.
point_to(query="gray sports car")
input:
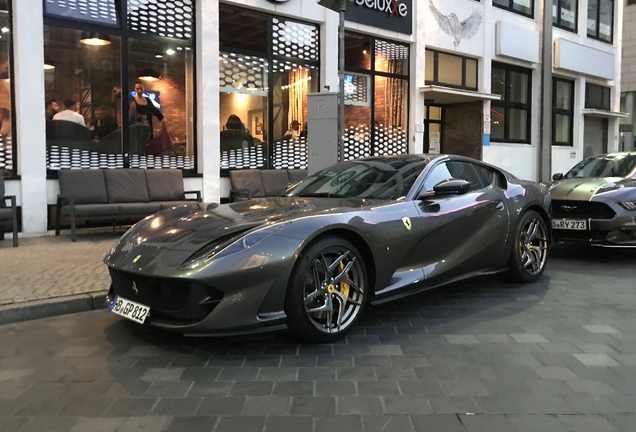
column 595, row 202
column 357, row 233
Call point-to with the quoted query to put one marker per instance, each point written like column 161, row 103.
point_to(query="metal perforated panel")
column 165, row 161
column 169, row 18
column 356, row 89
column 292, row 39
column 387, row 140
column 251, row 157
column 6, row 153
column 242, row 71
column 96, row 11
column 290, row 154
column 391, row 51
column 61, row 157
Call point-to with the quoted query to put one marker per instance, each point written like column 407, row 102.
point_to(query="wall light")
column 170, row 51
column 94, row 39
column 149, row 75
column 5, row 76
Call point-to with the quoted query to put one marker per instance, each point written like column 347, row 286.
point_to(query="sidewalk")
column 47, row 276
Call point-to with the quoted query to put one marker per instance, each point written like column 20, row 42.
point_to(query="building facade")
column 228, row 83
column 628, row 77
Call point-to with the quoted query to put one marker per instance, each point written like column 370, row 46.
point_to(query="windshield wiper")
column 319, row 195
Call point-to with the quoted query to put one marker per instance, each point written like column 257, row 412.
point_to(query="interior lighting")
column 5, row 75
column 170, row 51
column 4, row 29
column 149, row 75
column 94, row 39
column 158, row 56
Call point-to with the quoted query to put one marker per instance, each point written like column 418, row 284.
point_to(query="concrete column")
column 329, row 52
column 418, row 78
column 28, row 43
column 208, row 123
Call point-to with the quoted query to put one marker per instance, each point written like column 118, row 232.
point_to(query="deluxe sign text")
column 393, row 7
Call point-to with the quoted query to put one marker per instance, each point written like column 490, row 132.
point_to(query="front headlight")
column 628, row 205
column 219, row 249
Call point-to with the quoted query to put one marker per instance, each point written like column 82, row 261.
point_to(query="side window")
column 466, row 171
column 486, row 175
column 439, row 173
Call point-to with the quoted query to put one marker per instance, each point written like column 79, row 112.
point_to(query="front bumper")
column 620, row 231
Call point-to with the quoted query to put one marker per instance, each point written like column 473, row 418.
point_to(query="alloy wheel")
column 533, row 245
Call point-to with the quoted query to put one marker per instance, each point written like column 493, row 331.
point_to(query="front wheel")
column 530, row 249
column 327, row 290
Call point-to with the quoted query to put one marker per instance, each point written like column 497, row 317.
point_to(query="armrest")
column 197, row 193
column 240, row 192
column 61, row 199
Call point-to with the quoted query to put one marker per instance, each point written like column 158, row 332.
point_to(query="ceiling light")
column 149, row 75
column 48, row 66
column 5, row 75
column 170, row 51
column 158, row 56
column 94, row 39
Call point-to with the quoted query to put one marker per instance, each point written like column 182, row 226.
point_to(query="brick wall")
column 462, row 130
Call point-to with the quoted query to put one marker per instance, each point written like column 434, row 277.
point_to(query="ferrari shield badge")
column 407, row 223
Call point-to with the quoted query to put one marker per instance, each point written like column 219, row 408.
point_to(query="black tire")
column 304, row 295
column 528, row 256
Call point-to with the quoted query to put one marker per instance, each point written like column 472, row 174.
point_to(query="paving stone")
column 378, row 388
column 600, row 329
column 407, row 405
column 463, row 388
column 537, row 423
column 335, row 388
column 315, row 406
column 176, row 406
column 267, row 405
column 387, row 423
column 242, row 424
column 461, row 339
column 486, row 423
column 528, row 338
column 316, row 374
column 359, row 405
column 162, row 374
column 437, row 423
column 294, row 388
column 622, row 422
column 219, row 406
column 130, row 407
column 188, row 424
column 596, row 359
column 289, row 424
column 554, row 372
column 593, row 387
column 372, row 360
column 587, row 423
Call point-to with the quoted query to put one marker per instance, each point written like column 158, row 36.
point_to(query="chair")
column 235, row 139
column 8, row 215
column 110, row 144
column 70, row 134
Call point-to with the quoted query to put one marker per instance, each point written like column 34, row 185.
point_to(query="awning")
column 603, row 114
column 447, row 95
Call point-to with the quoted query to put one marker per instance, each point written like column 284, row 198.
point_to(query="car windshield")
column 379, row 178
column 604, row 166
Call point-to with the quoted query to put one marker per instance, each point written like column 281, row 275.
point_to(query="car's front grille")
column 577, row 235
column 581, row 209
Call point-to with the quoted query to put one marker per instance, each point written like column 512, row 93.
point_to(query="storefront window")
column 510, row 116
column 377, row 70
column 7, row 141
column 119, row 91
column 263, row 89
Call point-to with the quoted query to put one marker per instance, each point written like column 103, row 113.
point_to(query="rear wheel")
column 327, row 291
column 530, row 249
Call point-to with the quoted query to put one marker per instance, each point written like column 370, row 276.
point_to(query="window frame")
column 564, row 112
column 125, row 34
column 576, row 18
column 507, row 105
column 597, row 18
column 510, row 8
column 463, row 86
column 12, row 172
column 603, row 89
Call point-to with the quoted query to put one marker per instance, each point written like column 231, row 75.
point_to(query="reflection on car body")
column 359, row 232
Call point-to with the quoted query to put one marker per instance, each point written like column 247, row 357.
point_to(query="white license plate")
column 129, row 309
column 569, row 224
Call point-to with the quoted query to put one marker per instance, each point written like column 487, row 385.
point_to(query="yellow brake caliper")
column 344, row 287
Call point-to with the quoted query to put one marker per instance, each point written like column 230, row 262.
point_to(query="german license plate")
column 569, row 224
column 129, row 309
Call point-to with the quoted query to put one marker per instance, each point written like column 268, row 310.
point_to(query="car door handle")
column 500, row 205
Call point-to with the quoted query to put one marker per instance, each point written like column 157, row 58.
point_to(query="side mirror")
column 451, row 187
column 557, row 176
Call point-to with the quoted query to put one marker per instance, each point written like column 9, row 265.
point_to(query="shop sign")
column 395, row 15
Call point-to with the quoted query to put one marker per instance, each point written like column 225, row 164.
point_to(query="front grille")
column 576, row 235
column 581, row 209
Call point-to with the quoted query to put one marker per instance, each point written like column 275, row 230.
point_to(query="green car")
column 595, row 202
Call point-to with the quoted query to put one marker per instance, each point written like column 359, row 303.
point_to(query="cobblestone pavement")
column 555, row 356
column 51, row 267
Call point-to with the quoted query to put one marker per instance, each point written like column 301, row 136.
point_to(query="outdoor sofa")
column 8, row 215
column 251, row 183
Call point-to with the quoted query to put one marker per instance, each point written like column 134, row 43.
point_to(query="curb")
column 32, row 310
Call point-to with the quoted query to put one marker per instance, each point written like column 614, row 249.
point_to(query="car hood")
column 586, row 189
column 171, row 236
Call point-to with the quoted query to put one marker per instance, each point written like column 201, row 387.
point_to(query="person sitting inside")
column 293, row 131
column 51, row 108
column 69, row 114
column 103, row 124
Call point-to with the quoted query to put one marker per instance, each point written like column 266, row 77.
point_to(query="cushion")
column 5, row 214
column 274, row 182
column 164, row 184
column 92, row 210
column 296, row 175
column 248, row 179
column 138, row 208
column 126, row 185
column 168, row 204
column 87, row 186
